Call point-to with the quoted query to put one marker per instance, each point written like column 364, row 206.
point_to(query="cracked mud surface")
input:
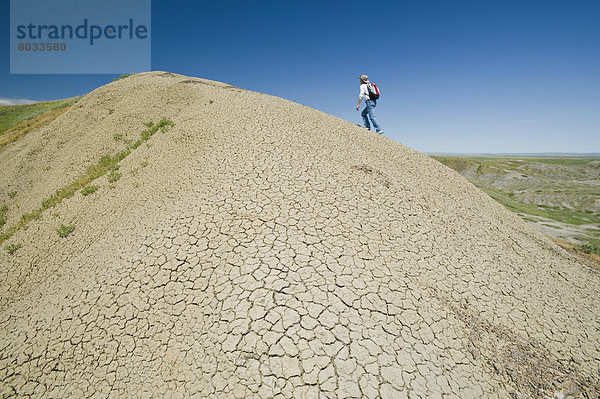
column 271, row 250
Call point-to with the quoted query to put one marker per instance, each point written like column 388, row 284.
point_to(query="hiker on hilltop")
column 370, row 92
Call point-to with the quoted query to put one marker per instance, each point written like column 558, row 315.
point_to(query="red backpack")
column 373, row 91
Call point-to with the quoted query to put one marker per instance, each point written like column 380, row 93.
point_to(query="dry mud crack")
column 266, row 249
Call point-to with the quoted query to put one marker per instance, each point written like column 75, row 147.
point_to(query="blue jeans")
column 371, row 104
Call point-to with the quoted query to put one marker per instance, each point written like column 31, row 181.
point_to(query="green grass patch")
column 12, row 115
column 106, row 164
column 163, row 125
column 568, row 216
column 12, row 194
column 113, row 176
column 12, row 248
column 87, row 190
column 591, row 247
column 64, row 230
column 118, row 136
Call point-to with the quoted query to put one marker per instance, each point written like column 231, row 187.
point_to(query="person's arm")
column 361, row 95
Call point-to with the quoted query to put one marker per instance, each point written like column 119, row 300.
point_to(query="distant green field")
column 542, row 191
column 12, row 115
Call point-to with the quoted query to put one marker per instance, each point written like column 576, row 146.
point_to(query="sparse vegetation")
column 87, row 190
column 123, row 77
column 540, row 190
column 118, row 136
column 12, row 248
column 163, row 125
column 591, row 247
column 20, row 117
column 64, row 230
column 106, row 164
column 3, row 211
column 144, row 164
column 113, row 176
column 12, row 194
column 210, row 101
column 46, row 168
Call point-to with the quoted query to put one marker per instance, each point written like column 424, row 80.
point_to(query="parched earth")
column 260, row 248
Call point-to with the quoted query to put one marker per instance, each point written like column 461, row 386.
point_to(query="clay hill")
column 175, row 237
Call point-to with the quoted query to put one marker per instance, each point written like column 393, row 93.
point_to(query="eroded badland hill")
column 245, row 246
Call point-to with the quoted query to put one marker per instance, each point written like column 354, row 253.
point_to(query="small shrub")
column 12, row 194
column 63, row 231
column 146, row 134
column 113, row 176
column 87, row 190
column 144, row 164
column 12, row 248
column 135, row 145
column 165, row 124
column 210, row 101
column 118, row 136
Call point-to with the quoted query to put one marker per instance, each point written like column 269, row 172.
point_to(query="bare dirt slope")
column 260, row 248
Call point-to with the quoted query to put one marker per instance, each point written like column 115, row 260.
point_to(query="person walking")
column 370, row 105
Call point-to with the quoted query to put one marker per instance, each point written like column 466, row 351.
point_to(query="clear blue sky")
column 455, row 75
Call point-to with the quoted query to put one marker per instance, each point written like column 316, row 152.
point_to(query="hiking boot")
column 380, row 132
